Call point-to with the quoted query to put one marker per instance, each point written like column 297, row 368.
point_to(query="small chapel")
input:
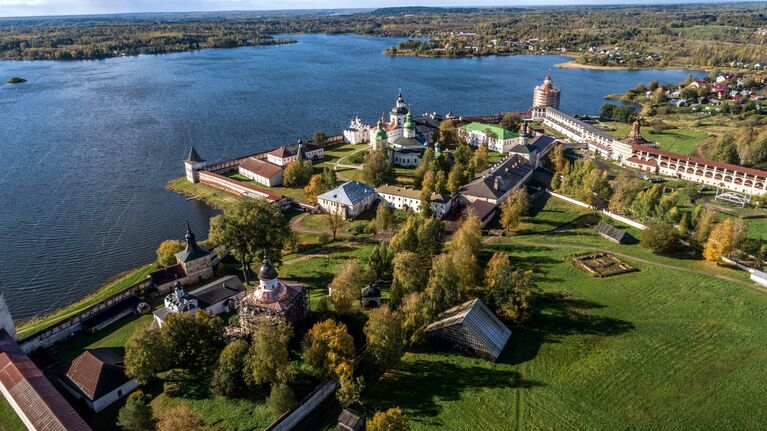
column 273, row 298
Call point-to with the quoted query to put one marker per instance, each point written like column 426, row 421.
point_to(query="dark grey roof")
column 220, row 290
column 267, row 271
column 192, row 250
column 371, row 291
column 350, row 420
column 194, row 157
column 508, row 174
column 166, row 275
column 543, row 143
column 524, row 149
column 473, row 326
column 399, row 111
column 419, row 140
column 612, row 232
column 348, row 193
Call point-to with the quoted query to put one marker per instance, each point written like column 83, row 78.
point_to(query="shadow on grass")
column 559, row 315
column 421, row 386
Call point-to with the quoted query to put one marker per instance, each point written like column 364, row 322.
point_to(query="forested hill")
column 700, row 35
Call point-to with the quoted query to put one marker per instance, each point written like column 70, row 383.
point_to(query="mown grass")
column 214, row 197
column 662, row 348
column 118, row 285
column 678, row 140
column 9, row 421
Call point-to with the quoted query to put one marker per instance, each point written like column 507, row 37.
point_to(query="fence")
column 291, row 419
column 75, row 323
column 612, row 215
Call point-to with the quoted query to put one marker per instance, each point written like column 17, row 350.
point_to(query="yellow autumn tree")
column 720, row 242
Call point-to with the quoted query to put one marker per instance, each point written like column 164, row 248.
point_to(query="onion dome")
column 409, row 125
column 381, row 133
column 267, row 271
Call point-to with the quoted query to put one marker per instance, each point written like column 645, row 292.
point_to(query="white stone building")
column 215, row 298
column 497, row 138
column 98, row 378
column 349, row 199
column 262, row 172
column 357, row 132
column 406, row 199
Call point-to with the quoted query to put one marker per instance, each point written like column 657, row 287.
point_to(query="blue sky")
column 75, row 7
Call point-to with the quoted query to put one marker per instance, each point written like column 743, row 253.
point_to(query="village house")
column 262, row 172
column 349, row 199
column 193, row 265
column 220, row 296
column 98, row 378
column 405, row 199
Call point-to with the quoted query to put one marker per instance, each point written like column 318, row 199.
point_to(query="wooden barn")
column 473, row 328
column 612, row 233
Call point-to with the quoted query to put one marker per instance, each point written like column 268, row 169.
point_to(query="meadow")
column 677, row 345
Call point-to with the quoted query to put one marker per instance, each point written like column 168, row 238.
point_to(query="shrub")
column 281, row 399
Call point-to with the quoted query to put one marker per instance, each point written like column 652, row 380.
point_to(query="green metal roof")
column 409, row 122
column 501, row 132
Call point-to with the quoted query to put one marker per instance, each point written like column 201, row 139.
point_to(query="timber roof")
column 97, row 372
column 478, row 322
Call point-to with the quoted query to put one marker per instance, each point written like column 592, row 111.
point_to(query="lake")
column 88, row 146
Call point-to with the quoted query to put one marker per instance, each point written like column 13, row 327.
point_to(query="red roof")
column 635, row 159
column 97, row 372
column 38, row 400
column 699, row 160
column 260, row 168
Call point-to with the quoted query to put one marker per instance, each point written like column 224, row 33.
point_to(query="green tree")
column 166, row 252
column 385, row 220
column 406, row 238
column 389, row 420
column 349, row 388
column 319, row 138
column 414, row 317
column 228, row 377
column 455, row 179
column 660, row 238
column 410, row 274
column 423, row 167
column 557, row 158
column 430, row 233
column 195, row 340
column 145, row 355
column 135, row 415
column 479, row 161
column 330, row 177
column 383, row 333
column 346, row 287
column 511, row 122
column 514, row 209
column 253, row 227
column 268, row 358
column 281, row 399
column 377, row 169
column 297, row 173
column 380, row 261
column 443, row 289
column 510, row 290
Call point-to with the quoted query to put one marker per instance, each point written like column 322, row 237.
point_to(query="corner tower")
column 192, row 165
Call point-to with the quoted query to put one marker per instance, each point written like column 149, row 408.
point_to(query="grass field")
column 9, row 421
column 214, row 197
column 119, row 284
column 668, row 347
column 681, row 141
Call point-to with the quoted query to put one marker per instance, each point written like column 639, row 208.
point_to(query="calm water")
column 86, row 147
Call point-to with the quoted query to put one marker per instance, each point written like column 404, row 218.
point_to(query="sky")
column 78, row 7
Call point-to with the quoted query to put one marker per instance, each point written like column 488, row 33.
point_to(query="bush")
column 324, row 238
column 135, row 415
column 359, row 229
column 660, row 238
column 281, row 399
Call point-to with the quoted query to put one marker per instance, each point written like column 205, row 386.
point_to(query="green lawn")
column 214, row 197
column 681, row 141
column 119, row 284
column 662, row 348
column 657, row 349
column 9, row 421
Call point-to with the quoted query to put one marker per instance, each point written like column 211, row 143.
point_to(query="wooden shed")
column 612, row 233
column 473, row 328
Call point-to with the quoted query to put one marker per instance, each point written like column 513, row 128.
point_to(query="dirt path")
column 638, row 259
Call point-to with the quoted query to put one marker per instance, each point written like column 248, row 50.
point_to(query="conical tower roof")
column 194, row 157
